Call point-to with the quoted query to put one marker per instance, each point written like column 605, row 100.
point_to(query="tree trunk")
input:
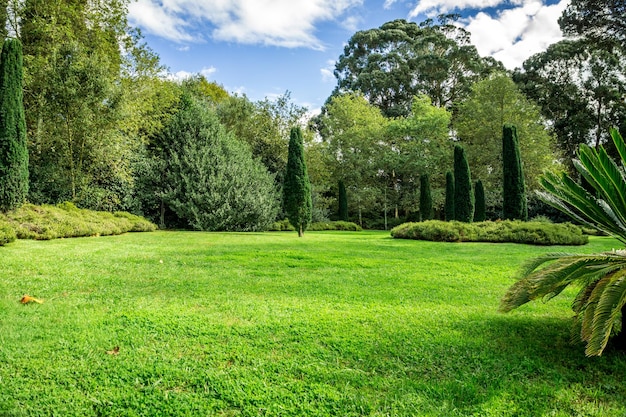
column 300, row 231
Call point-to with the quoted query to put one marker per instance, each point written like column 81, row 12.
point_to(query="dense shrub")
column 66, row 220
column 284, row 225
column 7, row 233
column 536, row 233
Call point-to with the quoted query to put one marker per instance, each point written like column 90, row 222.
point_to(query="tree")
column 13, row 151
column 392, row 64
column 449, row 204
column 579, row 88
column 463, row 196
column 600, row 304
column 212, row 182
column 600, row 21
column 426, row 200
column 494, row 102
column 297, row 189
column 343, row 202
column 514, row 205
column 480, row 212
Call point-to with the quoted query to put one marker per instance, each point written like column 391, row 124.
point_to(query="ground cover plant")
column 514, row 231
column 66, row 220
column 335, row 323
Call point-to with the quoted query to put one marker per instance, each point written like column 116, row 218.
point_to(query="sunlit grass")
column 335, row 323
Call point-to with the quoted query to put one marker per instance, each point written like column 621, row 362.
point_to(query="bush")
column 7, row 233
column 515, row 231
column 284, row 225
column 66, row 220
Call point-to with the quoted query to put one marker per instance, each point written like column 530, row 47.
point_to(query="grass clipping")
column 515, row 231
column 66, row 220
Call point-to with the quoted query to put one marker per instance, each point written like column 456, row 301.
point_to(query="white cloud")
column 388, row 3
column 287, row 23
column 516, row 34
column 435, row 7
column 183, row 75
column 328, row 71
column 207, row 72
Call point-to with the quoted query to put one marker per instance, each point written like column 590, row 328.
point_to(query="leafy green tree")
column 600, row 21
column 494, row 102
column 601, row 300
column 392, row 64
column 212, row 180
column 426, row 200
column 343, row 202
column 449, row 203
column 297, row 188
column 463, row 195
column 13, row 151
column 480, row 208
column 579, row 89
column 514, row 205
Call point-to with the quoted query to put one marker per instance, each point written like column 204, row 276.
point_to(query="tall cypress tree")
column 297, row 188
column 343, row 202
column 13, row 151
column 480, row 212
column 426, row 200
column 449, row 204
column 514, row 204
column 463, row 195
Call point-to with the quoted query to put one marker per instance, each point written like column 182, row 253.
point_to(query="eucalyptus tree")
column 600, row 21
column 391, row 64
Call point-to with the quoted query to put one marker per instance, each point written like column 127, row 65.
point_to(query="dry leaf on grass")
column 28, row 299
column 114, row 351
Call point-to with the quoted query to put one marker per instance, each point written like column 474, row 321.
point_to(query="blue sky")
column 263, row 48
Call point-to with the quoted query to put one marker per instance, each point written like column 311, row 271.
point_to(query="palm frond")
column 607, row 313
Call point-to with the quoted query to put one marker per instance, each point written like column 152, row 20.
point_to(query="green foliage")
column 463, row 195
column 337, row 225
column 66, row 220
column 297, row 188
column 600, row 302
column 480, row 211
column 426, row 200
column 449, row 203
column 212, row 181
column 7, row 233
column 392, row 64
column 494, row 102
column 601, row 22
column 534, row 233
column 343, row 202
column 514, row 205
column 13, row 151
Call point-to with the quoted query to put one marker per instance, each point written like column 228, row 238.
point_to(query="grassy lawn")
column 334, row 324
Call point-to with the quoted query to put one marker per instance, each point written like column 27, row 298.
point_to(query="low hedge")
column 535, row 233
column 7, row 233
column 66, row 220
column 284, row 225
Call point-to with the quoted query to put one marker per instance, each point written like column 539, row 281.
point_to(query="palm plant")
column 600, row 302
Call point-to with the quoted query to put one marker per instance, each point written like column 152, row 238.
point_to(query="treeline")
column 107, row 130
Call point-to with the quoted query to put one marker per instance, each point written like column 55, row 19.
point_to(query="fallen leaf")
column 114, row 351
column 28, row 299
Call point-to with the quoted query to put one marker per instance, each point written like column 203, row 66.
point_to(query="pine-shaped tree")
column 426, row 200
column 449, row 204
column 463, row 195
column 343, row 202
column 13, row 151
column 514, row 204
column 297, row 188
column 480, row 212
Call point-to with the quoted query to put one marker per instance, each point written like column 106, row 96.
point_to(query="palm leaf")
column 607, row 312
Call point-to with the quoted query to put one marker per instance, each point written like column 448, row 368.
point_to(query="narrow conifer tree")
column 514, row 204
column 297, row 188
column 343, row 202
column 449, row 204
column 480, row 212
column 463, row 195
column 426, row 200
column 13, row 151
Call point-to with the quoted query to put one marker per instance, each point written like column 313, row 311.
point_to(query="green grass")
column 333, row 324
